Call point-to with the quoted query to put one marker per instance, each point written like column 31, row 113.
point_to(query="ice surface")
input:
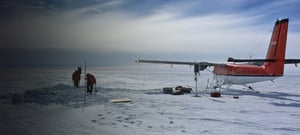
column 58, row 108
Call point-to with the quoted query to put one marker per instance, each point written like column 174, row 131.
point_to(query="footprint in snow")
column 102, row 118
column 139, row 123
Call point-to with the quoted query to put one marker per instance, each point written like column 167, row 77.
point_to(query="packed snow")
column 273, row 108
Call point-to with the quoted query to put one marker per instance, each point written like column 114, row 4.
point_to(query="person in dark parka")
column 76, row 78
column 90, row 82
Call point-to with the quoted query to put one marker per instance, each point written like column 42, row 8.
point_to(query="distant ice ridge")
column 57, row 94
column 63, row 94
column 20, row 80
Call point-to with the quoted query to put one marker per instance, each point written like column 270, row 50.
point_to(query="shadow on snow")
column 270, row 95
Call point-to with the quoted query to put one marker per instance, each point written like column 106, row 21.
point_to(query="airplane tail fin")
column 277, row 48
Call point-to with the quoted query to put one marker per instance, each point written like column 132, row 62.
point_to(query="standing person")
column 91, row 80
column 76, row 78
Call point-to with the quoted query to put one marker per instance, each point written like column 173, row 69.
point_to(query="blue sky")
column 116, row 32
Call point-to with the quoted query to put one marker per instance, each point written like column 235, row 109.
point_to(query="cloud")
column 208, row 30
column 165, row 32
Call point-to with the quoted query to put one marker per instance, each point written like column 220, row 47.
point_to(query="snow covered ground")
column 62, row 109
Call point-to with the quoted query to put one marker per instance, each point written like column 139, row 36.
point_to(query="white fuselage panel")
column 228, row 79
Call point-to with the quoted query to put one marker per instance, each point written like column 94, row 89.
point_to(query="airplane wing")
column 201, row 65
column 287, row 61
column 292, row 61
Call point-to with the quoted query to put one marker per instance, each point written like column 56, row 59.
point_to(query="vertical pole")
column 196, row 71
column 196, row 79
column 84, row 90
column 207, row 85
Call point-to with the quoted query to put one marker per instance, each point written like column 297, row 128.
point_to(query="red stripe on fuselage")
column 242, row 70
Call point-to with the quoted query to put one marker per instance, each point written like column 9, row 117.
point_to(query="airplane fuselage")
column 243, row 74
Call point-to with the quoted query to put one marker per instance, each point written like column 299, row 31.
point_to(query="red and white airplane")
column 237, row 72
